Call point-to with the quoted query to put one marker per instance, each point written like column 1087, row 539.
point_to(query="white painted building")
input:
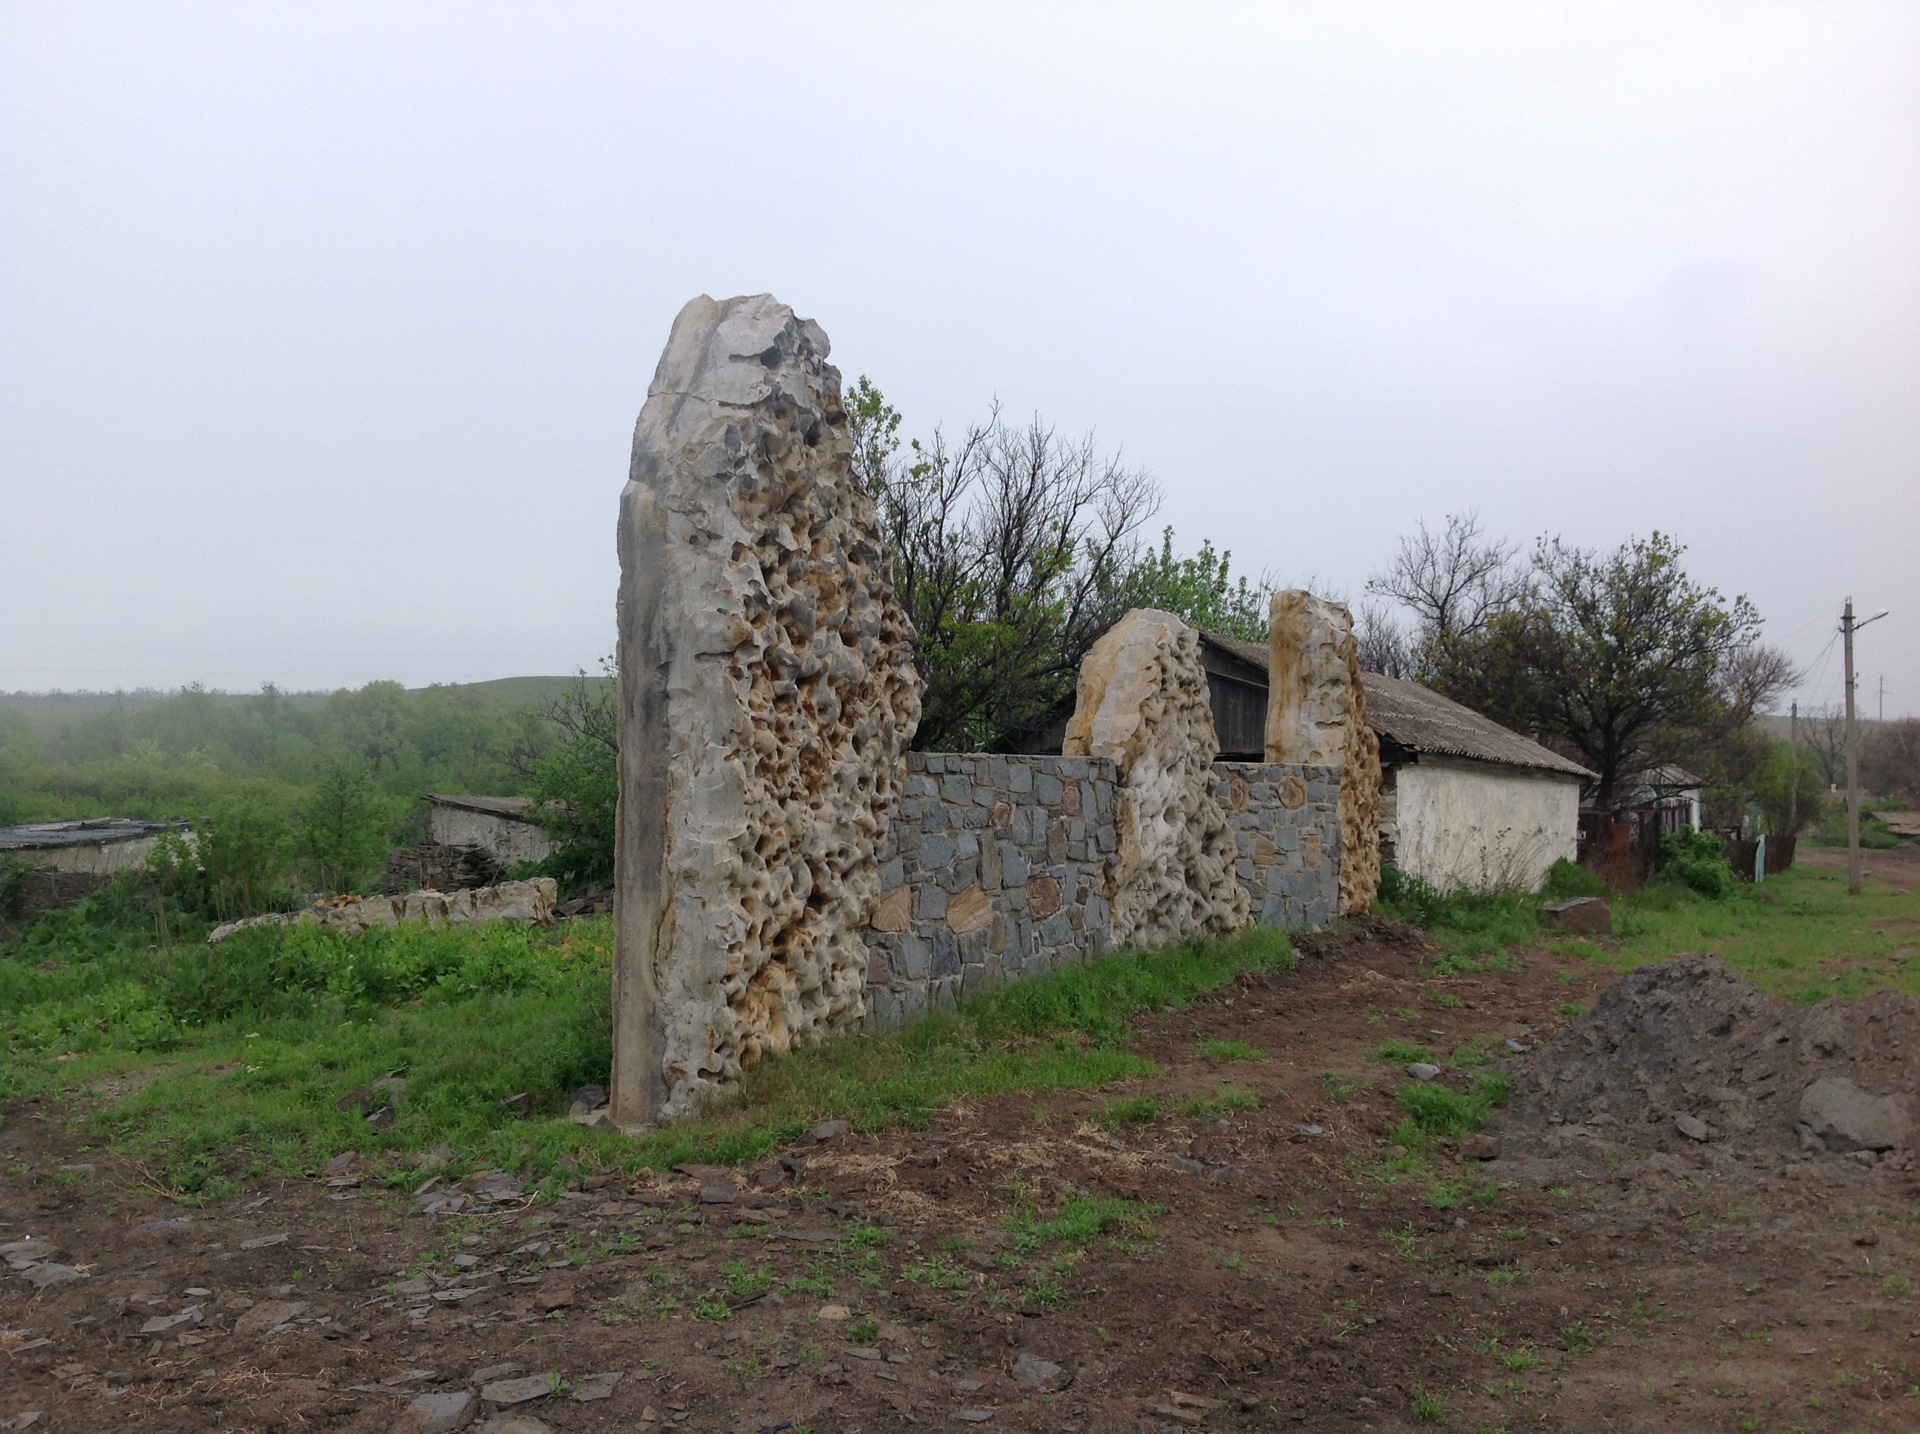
column 499, row 826
column 98, row 847
column 1465, row 801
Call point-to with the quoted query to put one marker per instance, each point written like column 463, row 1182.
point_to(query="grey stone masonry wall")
column 997, row 868
column 1286, row 832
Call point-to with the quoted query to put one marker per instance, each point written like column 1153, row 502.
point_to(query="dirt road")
column 1293, row 1278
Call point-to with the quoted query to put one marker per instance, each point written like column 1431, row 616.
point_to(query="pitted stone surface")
column 1143, row 705
column 767, row 700
column 1317, row 715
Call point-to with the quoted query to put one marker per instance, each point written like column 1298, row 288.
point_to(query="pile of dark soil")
column 1686, row 1056
column 1362, row 936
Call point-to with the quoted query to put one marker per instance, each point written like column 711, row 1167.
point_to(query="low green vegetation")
column 1128, row 1110
column 1225, row 1101
column 212, row 1064
column 1798, row 934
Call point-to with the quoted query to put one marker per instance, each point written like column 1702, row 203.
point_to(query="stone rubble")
column 768, row 697
column 1142, row 704
column 530, row 901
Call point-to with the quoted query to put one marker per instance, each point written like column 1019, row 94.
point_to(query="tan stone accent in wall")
column 1317, row 716
column 969, row 911
column 1143, row 704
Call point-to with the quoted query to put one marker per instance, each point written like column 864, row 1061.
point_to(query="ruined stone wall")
column 997, row 868
column 767, row 699
column 1285, row 822
column 1317, row 715
column 1142, row 703
column 1000, row 868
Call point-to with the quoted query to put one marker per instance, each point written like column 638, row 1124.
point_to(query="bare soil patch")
column 1606, row 1272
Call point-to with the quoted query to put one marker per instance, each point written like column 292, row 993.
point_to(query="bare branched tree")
column 1010, row 550
column 1452, row 581
column 1384, row 646
column 1823, row 732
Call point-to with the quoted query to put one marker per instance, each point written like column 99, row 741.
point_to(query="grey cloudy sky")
column 323, row 327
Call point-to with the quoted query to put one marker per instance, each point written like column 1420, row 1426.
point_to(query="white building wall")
column 1481, row 827
column 506, row 839
column 94, row 858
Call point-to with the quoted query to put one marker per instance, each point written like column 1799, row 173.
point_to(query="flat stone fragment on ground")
column 46, row 1276
column 1691, row 1126
column 160, row 1324
column 1849, row 1118
column 514, row 1424
column 33, row 1250
column 519, row 1391
column 267, row 1314
column 438, row 1413
column 1423, row 1070
column 261, row 1242
column 1032, row 1372
column 590, row 1387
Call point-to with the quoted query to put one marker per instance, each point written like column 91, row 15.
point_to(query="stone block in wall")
column 1143, row 704
column 767, row 697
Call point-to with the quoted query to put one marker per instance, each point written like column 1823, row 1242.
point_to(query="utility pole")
column 1848, row 628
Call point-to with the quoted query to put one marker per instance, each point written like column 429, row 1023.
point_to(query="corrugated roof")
column 515, row 807
column 1419, row 718
column 99, row 831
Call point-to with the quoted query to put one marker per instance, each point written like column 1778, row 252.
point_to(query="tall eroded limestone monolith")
column 767, row 699
column 1142, row 702
column 1317, row 715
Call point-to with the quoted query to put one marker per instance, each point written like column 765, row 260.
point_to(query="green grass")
column 1128, row 1110
column 1224, row 1101
column 235, row 1056
column 1779, row 935
column 1435, row 1110
column 1400, row 1053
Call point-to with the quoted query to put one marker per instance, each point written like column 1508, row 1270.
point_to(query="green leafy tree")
column 340, row 831
column 1786, row 785
column 1618, row 657
column 575, row 780
column 1200, row 589
column 233, row 864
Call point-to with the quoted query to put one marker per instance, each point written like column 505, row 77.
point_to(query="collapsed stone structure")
column 1317, row 714
column 1142, row 704
column 530, row 901
column 767, row 700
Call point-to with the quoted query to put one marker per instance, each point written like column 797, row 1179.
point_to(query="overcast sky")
column 323, row 327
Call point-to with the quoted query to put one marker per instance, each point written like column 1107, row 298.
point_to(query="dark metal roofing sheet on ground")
column 99, row 831
column 515, row 807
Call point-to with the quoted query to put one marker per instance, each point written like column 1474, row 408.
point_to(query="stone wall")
column 1286, row 831
column 997, row 868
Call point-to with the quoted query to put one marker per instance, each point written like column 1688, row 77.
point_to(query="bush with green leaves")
column 340, row 831
column 1567, row 879
column 1697, row 860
